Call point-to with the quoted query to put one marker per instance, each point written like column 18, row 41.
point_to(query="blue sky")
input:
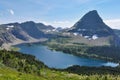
column 59, row 13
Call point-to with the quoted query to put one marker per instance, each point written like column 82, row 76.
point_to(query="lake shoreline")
column 82, row 56
column 44, row 51
column 7, row 46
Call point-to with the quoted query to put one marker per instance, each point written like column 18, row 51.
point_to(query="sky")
column 58, row 13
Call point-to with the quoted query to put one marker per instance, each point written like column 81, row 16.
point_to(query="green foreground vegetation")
column 18, row 66
column 11, row 74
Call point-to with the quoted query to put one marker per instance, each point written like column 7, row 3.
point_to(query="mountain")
column 26, row 31
column 5, row 36
column 59, row 29
column 91, row 26
column 117, row 32
column 32, row 30
column 90, row 29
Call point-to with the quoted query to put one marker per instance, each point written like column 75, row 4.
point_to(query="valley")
column 55, row 59
column 89, row 50
column 15, row 65
column 106, row 52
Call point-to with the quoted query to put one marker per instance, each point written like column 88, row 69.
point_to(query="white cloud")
column 113, row 23
column 11, row 11
column 63, row 24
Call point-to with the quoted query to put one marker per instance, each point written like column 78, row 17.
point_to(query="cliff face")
column 92, row 26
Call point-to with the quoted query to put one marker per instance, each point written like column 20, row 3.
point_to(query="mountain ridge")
column 91, row 23
column 91, row 26
column 27, row 31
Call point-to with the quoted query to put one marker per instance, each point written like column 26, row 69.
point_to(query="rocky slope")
column 27, row 31
column 92, row 27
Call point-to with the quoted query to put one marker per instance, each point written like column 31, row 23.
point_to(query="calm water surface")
column 56, row 59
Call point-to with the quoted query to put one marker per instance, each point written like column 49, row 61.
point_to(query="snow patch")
column 94, row 37
column 48, row 30
column 10, row 26
column 7, row 28
column 54, row 30
column 86, row 37
column 75, row 34
column 89, row 38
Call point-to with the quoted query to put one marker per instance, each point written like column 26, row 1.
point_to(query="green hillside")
column 18, row 66
column 7, row 73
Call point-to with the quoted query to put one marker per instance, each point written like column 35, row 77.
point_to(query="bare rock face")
column 92, row 24
column 23, row 31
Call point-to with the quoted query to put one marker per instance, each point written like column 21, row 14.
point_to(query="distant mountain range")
column 26, row 31
column 90, row 28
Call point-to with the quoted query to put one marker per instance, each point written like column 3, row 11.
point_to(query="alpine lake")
column 60, row 60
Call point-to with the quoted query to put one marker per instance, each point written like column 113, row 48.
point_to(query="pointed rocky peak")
column 91, row 24
column 92, row 17
column 90, row 20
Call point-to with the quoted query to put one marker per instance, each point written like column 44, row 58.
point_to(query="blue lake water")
column 56, row 59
